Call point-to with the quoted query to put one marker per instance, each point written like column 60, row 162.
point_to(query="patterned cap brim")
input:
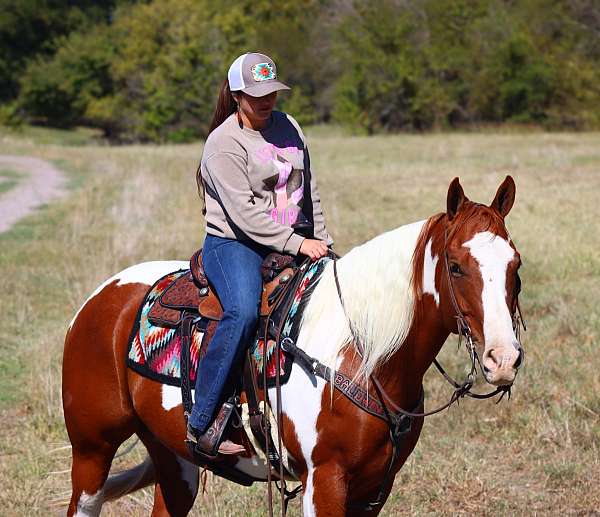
column 262, row 89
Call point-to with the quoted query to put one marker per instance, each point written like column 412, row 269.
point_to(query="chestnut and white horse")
column 397, row 298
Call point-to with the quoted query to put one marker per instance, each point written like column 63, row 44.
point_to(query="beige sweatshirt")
column 259, row 183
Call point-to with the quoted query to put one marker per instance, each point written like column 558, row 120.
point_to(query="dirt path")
column 43, row 183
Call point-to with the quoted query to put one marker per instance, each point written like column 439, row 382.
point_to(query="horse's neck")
column 402, row 375
column 399, row 336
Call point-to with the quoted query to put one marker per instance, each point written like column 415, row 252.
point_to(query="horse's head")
column 481, row 284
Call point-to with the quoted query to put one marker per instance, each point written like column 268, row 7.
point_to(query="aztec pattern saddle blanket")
column 154, row 351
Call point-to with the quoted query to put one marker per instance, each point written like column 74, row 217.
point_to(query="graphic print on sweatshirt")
column 286, row 183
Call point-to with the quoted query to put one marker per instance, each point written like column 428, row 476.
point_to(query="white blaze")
column 493, row 254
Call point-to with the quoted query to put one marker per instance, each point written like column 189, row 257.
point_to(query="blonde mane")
column 376, row 284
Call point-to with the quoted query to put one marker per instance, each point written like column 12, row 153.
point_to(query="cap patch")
column 263, row 72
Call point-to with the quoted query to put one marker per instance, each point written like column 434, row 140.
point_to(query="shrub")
column 59, row 90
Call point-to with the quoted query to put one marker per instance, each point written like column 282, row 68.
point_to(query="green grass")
column 48, row 136
column 538, row 454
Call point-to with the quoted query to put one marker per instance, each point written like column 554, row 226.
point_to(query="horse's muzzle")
column 501, row 363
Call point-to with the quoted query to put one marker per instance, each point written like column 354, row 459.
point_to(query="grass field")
column 537, row 455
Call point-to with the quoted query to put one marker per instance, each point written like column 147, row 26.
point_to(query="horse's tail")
column 128, row 481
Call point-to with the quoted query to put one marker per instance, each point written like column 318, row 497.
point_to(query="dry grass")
column 537, row 455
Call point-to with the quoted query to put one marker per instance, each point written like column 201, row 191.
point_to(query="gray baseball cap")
column 254, row 74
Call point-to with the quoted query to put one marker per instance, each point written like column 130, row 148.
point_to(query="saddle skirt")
column 155, row 344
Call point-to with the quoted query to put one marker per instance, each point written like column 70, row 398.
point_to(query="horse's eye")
column 455, row 270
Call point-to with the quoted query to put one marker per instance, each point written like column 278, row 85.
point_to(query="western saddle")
column 191, row 293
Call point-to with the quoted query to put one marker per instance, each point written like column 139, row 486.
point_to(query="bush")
column 58, row 91
column 379, row 86
column 31, row 29
column 417, row 65
column 152, row 71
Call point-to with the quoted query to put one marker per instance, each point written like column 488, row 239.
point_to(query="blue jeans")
column 233, row 269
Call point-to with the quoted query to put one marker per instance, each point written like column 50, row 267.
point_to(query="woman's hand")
column 313, row 248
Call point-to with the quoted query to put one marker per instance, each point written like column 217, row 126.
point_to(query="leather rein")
column 395, row 415
column 399, row 420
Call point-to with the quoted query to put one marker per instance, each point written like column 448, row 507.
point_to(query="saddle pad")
column 154, row 351
column 291, row 329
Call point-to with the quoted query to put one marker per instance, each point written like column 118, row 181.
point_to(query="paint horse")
column 397, row 290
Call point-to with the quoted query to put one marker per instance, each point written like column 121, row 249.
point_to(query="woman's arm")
column 228, row 177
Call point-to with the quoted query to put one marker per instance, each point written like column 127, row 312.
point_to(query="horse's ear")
column 456, row 197
column 505, row 197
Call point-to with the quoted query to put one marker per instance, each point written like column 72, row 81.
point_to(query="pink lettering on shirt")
column 288, row 191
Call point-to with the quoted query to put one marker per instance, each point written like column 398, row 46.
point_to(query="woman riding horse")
column 259, row 194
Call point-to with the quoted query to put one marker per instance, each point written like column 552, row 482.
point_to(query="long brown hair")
column 226, row 105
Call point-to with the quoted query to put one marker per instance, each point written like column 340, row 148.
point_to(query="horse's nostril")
column 492, row 359
column 519, row 360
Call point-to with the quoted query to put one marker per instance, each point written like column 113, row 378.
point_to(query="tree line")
column 151, row 70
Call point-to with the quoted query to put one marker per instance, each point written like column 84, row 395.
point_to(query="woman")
column 260, row 196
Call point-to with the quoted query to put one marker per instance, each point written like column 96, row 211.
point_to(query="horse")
column 401, row 293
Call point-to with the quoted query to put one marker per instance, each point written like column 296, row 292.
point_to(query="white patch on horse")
column 144, row 273
column 303, row 393
column 190, row 474
column 149, row 272
column 382, row 269
column 89, row 505
column 301, row 403
column 493, row 253
column 171, row 397
column 429, row 274
column 308, row 505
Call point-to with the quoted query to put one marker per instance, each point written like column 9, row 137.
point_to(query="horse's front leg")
column 325, row 491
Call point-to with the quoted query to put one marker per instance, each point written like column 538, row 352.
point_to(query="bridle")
column 462, row 389
column 464, row 331
column 396, row 415
column 398, row 419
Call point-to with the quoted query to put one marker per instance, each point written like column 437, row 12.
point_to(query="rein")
column 395, row 416
column 399, row 420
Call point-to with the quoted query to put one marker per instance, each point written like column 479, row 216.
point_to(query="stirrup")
column 207, row 444
column 201, row 444
column 196, row 444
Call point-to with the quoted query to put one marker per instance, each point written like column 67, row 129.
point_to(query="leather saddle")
column 191, row 292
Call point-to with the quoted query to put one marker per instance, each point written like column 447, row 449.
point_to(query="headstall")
column 394, row 413
column 399, row 420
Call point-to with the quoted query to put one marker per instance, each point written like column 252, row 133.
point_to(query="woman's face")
column 257, row 110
